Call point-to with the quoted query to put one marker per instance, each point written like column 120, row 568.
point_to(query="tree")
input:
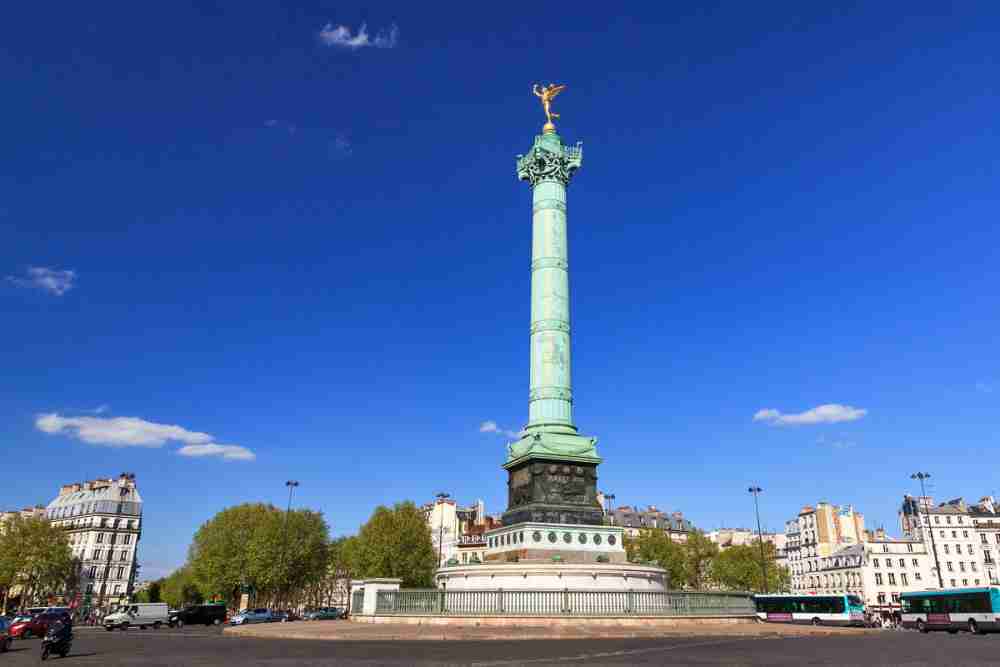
column 259, row 546
column 36, row 559
column 739, row 568
column 396, row 543
column 153, row 592
column 655, row 546
column 699, row 554
column 179, row 589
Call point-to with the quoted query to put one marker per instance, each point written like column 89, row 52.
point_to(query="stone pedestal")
column 557, row 490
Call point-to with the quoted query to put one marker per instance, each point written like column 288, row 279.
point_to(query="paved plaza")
column 210, row 647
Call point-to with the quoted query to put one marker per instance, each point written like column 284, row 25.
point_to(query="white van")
column 142, row 614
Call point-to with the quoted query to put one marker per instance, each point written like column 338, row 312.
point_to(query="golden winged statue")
column 546, row 94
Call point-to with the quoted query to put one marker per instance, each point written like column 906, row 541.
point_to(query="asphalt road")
column 198, row 646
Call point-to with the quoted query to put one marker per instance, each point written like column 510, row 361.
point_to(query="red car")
column 34, row 626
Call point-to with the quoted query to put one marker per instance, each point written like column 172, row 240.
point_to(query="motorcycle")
column 58, row 640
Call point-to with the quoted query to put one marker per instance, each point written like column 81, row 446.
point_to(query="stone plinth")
column 553, row 576
column 571, row 543
column 371, row 588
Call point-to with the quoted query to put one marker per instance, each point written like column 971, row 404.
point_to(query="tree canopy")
column 396, row 543
column 36, row 559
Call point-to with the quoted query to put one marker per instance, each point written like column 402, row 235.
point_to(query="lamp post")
column 921, row 476
column 609, row 499
column 441, row 497
column 291, row 484
column 760, row 537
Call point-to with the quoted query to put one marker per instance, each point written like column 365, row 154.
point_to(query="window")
column 965, row 582
column 916, row 563
column 916, row 575
column 969, row 549
column 950, row 567
column 972, row 565
column 97, row 553
column 953, row 584
column 90, row 588
column 965, row 533
column 885, row 548
column 961, row 566
column 121, row 572
column 118, row 588
column 100, row 537
column 124, row 556
column 878, row 580
column 902, row 562
column 892, row 579
column 903, row 580
column 888, row 563
column 92, row 572
column 954, row 534
column 982, row 538
column 997, row 535
column 875, row 563
column 909, row 547
column 881, row 598
column 942, row 534
column 960, row 520
column 948, row 519
column 128, row 539
column 937, row 519
column 946, row 549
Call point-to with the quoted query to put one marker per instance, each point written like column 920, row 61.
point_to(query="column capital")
column 549, row 160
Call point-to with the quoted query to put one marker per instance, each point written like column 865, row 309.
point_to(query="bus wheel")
column 816, row 622
column 973, row 626
column 921, row 626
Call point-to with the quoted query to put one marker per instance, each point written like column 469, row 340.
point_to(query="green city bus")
column 812, row 609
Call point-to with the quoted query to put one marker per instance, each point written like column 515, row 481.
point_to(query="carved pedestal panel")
column 552, row 491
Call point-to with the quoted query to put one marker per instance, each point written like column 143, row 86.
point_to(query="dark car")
column 5, row 638
column 327, row 614
column 199, row 614
column 37, row 625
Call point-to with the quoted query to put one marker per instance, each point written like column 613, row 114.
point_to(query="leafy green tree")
column 655, row 546
column 396, row 543
column 180, row 589
column 35, row 558
column 271, row 551
column 152, row 593
column 739, row 568
column 699, row 554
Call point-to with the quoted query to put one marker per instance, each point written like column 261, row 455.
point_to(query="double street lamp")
column 921, row 476
column 291, row 484
column 760, row 537
column 441, row 497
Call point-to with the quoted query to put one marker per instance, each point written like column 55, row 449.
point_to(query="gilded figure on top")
column 546, row 94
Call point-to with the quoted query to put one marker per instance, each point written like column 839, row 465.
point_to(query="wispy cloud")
column 342, row 36
column 984, row 387
column 830, row 413
column 836, row 443
column 136, row 432
column 228, row 452
column 53, row 281
column 101, row 409
column 491, row 426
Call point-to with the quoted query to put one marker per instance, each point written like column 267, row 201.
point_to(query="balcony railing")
column 561, row 603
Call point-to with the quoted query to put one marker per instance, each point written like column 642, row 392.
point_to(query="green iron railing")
column 358, row 601
column 561, row 603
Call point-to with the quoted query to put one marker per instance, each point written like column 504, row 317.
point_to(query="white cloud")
column 101, row 409
column 228, row 452
column 53, row 281
column 829, row 413
column 839, row 443
column 491, row 426
column 136, row 432
column 342, row 36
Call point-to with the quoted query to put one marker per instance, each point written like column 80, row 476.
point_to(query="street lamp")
column 609, row 498
column 923, row 494
column 291, row 484
column 441, row 497
column 760, row 537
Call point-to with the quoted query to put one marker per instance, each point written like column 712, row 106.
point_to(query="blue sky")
column 284, row 235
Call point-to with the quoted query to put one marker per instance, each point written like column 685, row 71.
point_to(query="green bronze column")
column 552, row 468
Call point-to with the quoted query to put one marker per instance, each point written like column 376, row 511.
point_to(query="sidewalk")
column 348, row 631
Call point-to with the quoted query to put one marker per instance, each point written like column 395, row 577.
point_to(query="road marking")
column 611, row 654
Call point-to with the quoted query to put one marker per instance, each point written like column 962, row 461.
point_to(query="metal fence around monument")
column 561, row 603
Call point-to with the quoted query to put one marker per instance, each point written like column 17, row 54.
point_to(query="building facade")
column 103, row 522
column 816, row 533
column 877, row 571
column 634, row 520
column 963, row 539
column 457, row 532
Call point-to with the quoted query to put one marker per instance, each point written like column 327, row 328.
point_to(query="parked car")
column 142, row 614
column 326, row 614
column 26, row 627
column 287, row 616
column 253, row 616
column 5, row 638
column 199, row 614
